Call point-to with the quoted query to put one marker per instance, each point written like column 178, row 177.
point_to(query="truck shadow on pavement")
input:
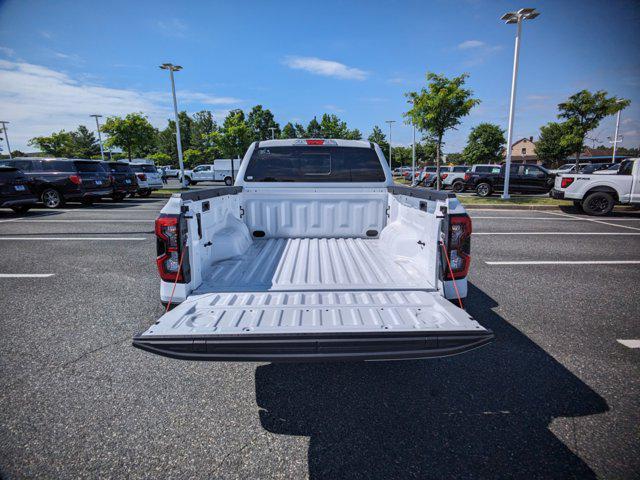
column 483, row 414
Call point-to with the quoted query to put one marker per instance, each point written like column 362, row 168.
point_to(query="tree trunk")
column 438, row 163
column 578, row 159
column 129, row 152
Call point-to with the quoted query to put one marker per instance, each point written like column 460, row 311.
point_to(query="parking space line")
column 594, row 221
column 556, row 233
column 630, row 343
column 566, row 262
column 26, row 275
column 87, row 220
column 74, row 239
column 550, row 218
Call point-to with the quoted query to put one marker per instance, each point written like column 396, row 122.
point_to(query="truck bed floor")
column 282, row 264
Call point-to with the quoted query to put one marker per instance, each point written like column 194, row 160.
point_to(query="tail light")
column 112, row 180
column 169, row 249
column 75, row 179
column 467, row 177
column 459, row 247
column 444, row 175
column 142, row 176
column 566, row 181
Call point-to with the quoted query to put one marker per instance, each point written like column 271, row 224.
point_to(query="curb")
column 500, row 206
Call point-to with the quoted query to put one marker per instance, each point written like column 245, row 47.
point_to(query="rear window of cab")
column 314, row 164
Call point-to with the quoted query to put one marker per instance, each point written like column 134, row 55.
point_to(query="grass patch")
column 474, row 200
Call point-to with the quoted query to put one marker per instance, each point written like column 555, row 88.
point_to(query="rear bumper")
column 124, row 188
column 314, row 347
column 557, row 194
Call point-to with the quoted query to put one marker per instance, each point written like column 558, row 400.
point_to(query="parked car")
column 123, row 179
column 56, row 181
column 15, row 192
column 594, row 167
column 454, row 178
column 267, row 272
column 148, row 178
column 568, row 168
column 523, row 178
column 598, row 194
column 218, row 171
column 610, row 170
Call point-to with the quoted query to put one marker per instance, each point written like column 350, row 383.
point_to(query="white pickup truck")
column 597, row 194
column 314, row 254
column 218, row 171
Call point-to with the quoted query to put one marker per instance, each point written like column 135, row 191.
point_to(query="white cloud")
column 333, row 108
column 327, row 68
column 396, row 80
column 471, row 44
column 6, row 51
column 38, row 100
column 172, row 27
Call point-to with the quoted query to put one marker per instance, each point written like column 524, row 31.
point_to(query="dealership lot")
column 556, row 395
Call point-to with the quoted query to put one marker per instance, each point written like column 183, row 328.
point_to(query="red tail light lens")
column 315, row 142
column 169, row 248
column 75, row 179
column 459, row 248
column 444, row 175
column 566, row 181
column 467, row 177
column 142, row 176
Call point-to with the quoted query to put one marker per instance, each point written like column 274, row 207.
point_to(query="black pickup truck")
column 523, row 178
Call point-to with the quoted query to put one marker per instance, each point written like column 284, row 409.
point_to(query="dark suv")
column 56, row 181
column 123, row 179
column 15, row 192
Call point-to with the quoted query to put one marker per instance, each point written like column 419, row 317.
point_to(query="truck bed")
column 300, row 264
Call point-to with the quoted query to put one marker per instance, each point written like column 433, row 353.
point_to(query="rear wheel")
column 192, row 182
column 577, row 204
column 87, row 202
column 598, row 203
column 187, row 181
column 457, row 187
column 483, row 189
column 228, row 181
column 52, row 198
column 118, row 197
column 21, row 208
column 144, row 193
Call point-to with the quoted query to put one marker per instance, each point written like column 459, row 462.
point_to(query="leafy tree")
column 161, row 158
column 455, row 158
column 18, row 153
column 202, row 126
column 485, row 144
column 332, row 127
column 58, row 144
column 289, row 131
column 134, row 134
column 301, row 132
column 85, row 144
column 584, row 111
column 192, row 158
column 236, row 135
column 552, row 145
column 378, row 136
column 439, row 108
column 313, row 130
column 260, row 122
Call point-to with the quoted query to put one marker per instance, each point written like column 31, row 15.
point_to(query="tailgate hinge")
column 388, row 211
column 241, row 212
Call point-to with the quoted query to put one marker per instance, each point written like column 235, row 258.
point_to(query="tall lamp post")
column 511, row 18
column 96, row 116
column 176, row 68
column 616, row 138
column 273, row 132
column 6, row 137
column 413, row 156
column 390, row 122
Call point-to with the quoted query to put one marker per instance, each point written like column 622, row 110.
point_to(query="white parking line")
column 88, row 220
column 26, row 275
column 630, row 343
column 568, row 262
column 556, row 233
column 625, row 219
column 75, row 239
column 594, row 221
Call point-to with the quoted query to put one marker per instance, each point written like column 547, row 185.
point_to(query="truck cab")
column 313, row 254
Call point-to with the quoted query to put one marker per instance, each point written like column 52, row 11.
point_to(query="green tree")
column 202, row 126
column 236, row 135
column 161, row 158
column 193, row 158
column 289, row 131
column 584, row 111
column 260, row 122
column 378, row 136
column 439, row 108
column 58, row 144
column 552, row 145
column 301, row 132
column 485, row 144
column 85, row 144
column 313, row 129
column 133, row 134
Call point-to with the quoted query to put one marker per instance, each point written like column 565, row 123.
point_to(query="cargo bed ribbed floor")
column 279, row 264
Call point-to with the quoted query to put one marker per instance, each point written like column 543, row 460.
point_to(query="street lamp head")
column 170, row 66
column 95, row 115
column 522, row 14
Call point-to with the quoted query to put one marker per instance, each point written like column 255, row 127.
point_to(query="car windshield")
column 566, row 166
column 89, row 167
column 615, row 166
column 140, row 167
column 119, row 167
column 314, row 164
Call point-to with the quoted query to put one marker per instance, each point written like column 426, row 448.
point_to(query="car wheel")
column 52, row 198
column 483, row 189
column 577, row 204
column 118, row 197
column 192, row 182
column 228, row 181
column 87, row 202
column 457, row 187
column 144, row 193
column 187, row 181
column 598, row 203
column 21, row 209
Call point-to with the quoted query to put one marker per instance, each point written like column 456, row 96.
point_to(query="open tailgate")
column 307, row 326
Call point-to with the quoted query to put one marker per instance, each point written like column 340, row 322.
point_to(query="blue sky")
column 61, row 61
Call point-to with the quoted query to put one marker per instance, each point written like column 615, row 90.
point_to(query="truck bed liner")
column 281, row 264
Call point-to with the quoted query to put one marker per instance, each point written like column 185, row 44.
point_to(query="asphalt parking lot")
column 557, row 395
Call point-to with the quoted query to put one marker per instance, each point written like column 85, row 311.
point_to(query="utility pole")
column 176, row 68
column 511, row 18
column 390, row 122
column 273, row 132
column 413, row 156
column 96, row 116
column 616, row 139
column 6, row 137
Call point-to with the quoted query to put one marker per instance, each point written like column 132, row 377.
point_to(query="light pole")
column 176, row 68
column 96, row 116
column 390, row 122
column 6, row 137
column 517, row 18
column 616, row 138
column 273, row 132
column 413, row 156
